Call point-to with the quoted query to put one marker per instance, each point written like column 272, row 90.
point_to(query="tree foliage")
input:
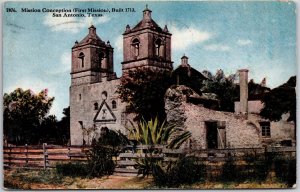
column 48, row 130
column 24, row 112
column 222, row 86
column 228, row 91
column 144, row 90
column 54, row 131
column 26, row 119
column 186, row 170
column 64, row 126
column 280, row 100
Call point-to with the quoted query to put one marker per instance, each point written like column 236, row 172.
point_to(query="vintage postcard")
column 149, row 95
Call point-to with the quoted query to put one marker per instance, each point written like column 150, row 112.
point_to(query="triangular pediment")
column 104, row 114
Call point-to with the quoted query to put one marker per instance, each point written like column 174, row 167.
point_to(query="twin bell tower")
column 146, row 45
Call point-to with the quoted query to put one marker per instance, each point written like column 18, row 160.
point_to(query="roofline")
column 167, row 33
column 100, row 46
column 144, row 58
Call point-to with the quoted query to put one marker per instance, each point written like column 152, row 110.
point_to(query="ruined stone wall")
column 253, row 106
column 240, row 131
column 282, row 130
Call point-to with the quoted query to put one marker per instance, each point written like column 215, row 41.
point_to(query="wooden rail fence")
column 42, row 156
column 46, row 156
column 213, row 158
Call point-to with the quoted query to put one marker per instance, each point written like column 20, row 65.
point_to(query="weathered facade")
column 93, row 99
column 147, row 45
column 218, row 129
column 94, row 102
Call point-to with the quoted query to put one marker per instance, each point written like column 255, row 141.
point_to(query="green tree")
column 223, row 87
column 280, row 100
column 227, row 91
column 64, row 127
column 24, row 112
column 144, row 90
column 48, row 130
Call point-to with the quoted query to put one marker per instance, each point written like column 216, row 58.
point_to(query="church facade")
column 94, row 102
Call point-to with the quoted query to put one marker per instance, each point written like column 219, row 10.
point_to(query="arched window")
column 158, row 45
column 101, row 57
column 104, row 95
column 136, row 46
column 81, row 57
column 114, row 104
column 96, row 106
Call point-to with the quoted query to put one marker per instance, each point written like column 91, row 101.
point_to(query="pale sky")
column 260, row 36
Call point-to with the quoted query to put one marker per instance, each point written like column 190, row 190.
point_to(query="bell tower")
column 147, row 45
column 92, row 60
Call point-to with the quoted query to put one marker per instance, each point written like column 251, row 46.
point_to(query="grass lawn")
column 48, row 179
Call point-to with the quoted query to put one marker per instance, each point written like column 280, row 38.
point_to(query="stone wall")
column 82, row 108
column 253, row 106
column 240, row 131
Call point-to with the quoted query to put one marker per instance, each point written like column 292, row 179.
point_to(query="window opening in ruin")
column 79, row 96
column 136, row 46
column 81, row 57
column 96, row 106
column 114, row 104
column 265, row 129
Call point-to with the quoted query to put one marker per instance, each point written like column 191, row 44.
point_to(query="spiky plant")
column 154, row 133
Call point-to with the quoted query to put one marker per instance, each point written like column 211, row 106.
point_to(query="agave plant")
column 154, row 133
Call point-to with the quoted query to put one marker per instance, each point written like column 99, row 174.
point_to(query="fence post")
column 69, row 152
column 45, row 155
column 26, row 154
column 10, row 148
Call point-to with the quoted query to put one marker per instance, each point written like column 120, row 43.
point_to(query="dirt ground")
column 33, row 179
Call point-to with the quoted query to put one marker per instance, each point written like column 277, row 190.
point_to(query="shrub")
column 145, row 165
column 185, row 171
column 257, row 167
column 285, row 170
column 111, row 138
column 261, row 168
column 72, row 169
column 100, row 156
column 100, row 160
column 99, row 163
column 229, row 170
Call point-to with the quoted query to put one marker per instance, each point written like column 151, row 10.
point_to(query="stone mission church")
column 94, row 102
column 93, row 99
